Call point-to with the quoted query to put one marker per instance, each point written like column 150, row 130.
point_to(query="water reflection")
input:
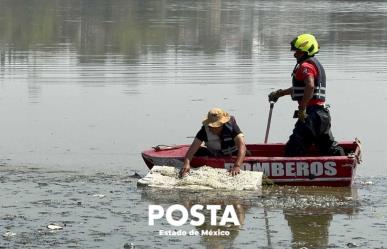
column 310, row 226
column 86, row 84
column 62, row 59
column 231, row 231
column 307, row 212
column 219, row 41
column 136, row 28
column 310, row 231
column 132, row 43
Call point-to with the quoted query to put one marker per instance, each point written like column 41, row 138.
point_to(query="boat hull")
column 311, row 170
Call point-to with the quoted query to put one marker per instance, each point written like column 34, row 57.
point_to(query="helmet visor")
column 292, row 45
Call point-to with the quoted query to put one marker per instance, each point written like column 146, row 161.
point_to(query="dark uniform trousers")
column 315, row 130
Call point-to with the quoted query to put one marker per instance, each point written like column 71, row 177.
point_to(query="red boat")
column 311, row 170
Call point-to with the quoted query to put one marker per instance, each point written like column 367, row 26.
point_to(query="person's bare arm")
column 240, row 143
column 287, row 91
column 188, row 157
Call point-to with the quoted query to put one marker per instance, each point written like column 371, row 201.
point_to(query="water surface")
column 86, row 85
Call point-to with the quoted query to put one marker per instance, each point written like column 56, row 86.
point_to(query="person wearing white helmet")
column 309, row 90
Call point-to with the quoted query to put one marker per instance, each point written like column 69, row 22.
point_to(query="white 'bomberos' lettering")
column 277, row 169
column 291, row 169
column 330, row 168
column 316, row 168
column 157, row 212
column 263, row 167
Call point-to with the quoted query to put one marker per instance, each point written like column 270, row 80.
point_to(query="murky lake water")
column 87, row 85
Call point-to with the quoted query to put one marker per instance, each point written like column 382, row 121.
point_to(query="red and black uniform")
column 317, row 126
column 309, row 68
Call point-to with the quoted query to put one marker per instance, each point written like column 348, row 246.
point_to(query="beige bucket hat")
column 216, row 117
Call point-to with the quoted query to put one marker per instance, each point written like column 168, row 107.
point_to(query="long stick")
column 268, row 238
column 269, row 121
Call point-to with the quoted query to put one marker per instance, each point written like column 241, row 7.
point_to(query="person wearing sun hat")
column 221, row 137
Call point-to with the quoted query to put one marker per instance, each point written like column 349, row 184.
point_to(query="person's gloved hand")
column 274, row 96
column 302, row 115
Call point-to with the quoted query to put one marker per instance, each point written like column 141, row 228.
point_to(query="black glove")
column 274, row 96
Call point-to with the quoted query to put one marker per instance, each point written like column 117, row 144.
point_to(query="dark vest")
column 227, row 144
column 319, row 84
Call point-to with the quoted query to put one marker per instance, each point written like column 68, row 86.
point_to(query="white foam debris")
column 54, row 227
column 202, row 178
column 9, row 234
column 99, row 195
